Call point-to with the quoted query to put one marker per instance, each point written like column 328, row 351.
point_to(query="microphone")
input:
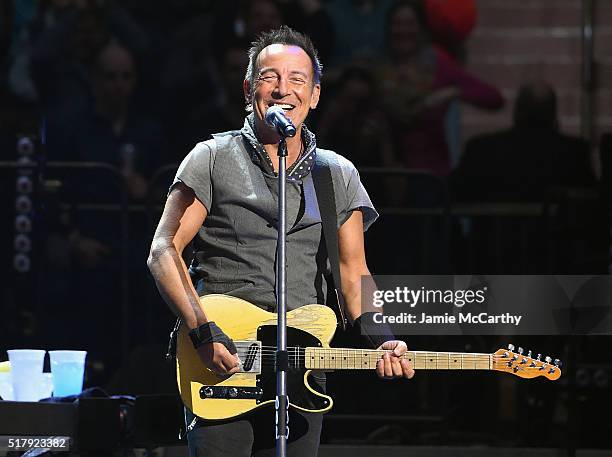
column 275, row 118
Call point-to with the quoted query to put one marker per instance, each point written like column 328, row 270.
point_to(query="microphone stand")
column 282, row 357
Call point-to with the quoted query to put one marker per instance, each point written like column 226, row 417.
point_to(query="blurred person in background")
column 533, row 162
column 113, row 129
column 417, row 83
column 207, row 116
column 525, row 161
column 354, row 124
column 54, row 53
column 312, row 18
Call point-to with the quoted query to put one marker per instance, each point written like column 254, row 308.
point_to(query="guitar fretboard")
column 366, row 359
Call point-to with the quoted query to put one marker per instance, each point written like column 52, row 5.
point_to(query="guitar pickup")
column 231, row 393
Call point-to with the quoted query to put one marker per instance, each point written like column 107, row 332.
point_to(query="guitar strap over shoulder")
column 324, row 189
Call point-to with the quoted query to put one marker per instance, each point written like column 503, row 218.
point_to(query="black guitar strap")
column 324, row 189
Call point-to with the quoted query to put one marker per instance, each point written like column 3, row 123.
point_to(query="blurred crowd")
column 136, row 83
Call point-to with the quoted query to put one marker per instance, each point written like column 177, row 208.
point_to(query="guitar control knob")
column 511, row 347
column 232, row 392
column 520, row 350
column 208, row 392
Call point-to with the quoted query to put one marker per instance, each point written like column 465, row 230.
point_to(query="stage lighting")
column 21, row 263
column 23, row 224
column 24, row 185
column 23, row 204
column 25, row 146
column 22, row 243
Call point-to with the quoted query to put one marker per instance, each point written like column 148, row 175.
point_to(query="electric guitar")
column 309, row 331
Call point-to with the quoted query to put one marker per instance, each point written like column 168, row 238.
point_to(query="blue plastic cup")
column 26, row 373
column 68, row 368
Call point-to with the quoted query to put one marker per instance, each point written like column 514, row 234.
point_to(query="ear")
column 314, row 98
column 246, row 88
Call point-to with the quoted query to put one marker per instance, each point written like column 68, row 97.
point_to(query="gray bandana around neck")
column 300, row 167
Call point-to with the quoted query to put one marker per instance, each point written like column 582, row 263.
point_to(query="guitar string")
column 368, row 351
column 297, row 359
column 297, row 355
column 302, row 355
column 300, row 352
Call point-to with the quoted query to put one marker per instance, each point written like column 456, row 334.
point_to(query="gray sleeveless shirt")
column 235, row 249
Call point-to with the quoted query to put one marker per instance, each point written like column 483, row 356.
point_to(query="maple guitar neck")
column 506, row 360
column 365, row 359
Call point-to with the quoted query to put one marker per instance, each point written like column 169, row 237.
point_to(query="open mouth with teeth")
column 284, row 106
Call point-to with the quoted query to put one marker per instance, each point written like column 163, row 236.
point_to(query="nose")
column 282, row 88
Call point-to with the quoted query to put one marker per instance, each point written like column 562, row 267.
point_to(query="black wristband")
column 211, row 333
column 375, row 334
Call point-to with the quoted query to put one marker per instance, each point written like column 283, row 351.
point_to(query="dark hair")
column 417, row 8
column 536, row 106
column 419, row 12
column 287, row 36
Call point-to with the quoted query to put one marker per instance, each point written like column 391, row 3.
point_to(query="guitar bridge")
column 231, row 393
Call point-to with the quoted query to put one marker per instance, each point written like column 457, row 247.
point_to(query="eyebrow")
column 294, row 72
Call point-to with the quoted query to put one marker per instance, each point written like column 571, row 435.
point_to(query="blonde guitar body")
column 247, row 324
column 309, row 330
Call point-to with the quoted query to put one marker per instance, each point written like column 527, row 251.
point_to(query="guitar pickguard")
column 299, row 394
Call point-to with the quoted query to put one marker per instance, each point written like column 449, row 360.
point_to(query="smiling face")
column 283, row 76
column 404, row 31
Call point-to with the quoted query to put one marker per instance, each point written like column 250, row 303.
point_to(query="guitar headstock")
column 525, row 366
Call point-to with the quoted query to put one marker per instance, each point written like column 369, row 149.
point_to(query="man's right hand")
column 216, row 357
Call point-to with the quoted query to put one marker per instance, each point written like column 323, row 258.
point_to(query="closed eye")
column 297, row 81
column 269, row 78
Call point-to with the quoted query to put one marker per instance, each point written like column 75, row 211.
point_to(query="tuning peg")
column 547, row 359
column 520, row 350
column 538, row 357
column 511, row 347
column 557, row 362
column 529, row 354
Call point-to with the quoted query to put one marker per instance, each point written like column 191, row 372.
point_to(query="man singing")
column 224, row 198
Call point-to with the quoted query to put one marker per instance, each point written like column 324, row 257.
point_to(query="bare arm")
column 352, row 263
column 352, row 267
column 182, row 217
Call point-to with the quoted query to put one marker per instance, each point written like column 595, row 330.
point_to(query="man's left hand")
column 392, row 365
